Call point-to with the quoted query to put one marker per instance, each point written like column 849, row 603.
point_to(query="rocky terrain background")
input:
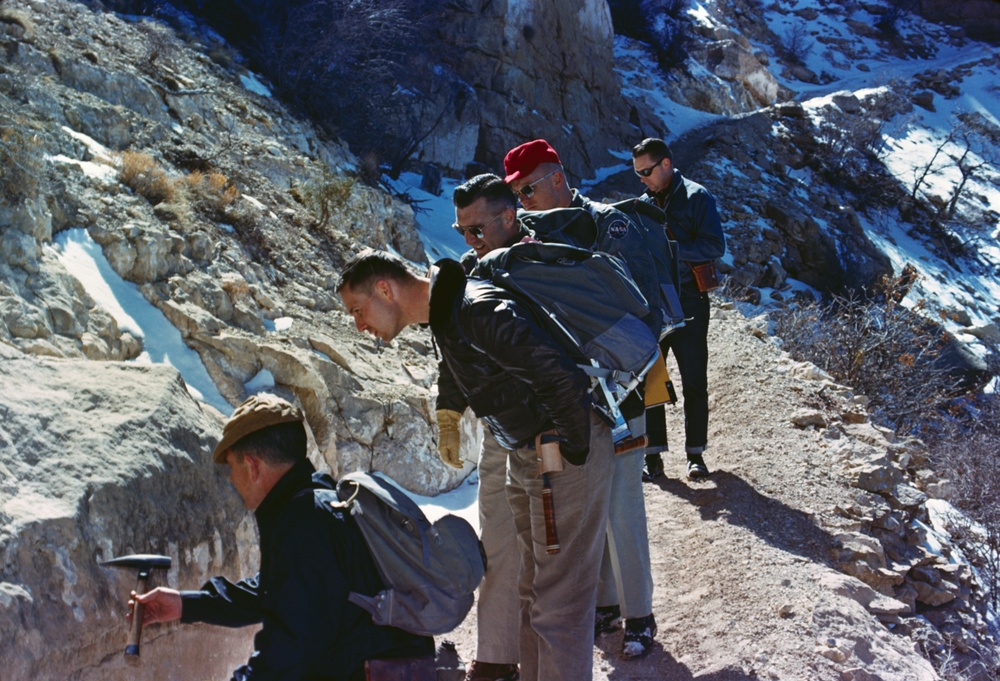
column 228, row 212
column 809, row 553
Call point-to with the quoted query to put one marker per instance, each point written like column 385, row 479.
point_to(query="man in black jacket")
column 311, row 557
column 485, row 216
column 693, row 221
column 522, row 383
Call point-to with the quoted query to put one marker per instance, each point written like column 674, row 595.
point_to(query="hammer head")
column 143, row 562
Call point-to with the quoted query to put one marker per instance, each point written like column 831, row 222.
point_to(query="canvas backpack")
column 430, row 570
column 589, row 303
column 651, row 220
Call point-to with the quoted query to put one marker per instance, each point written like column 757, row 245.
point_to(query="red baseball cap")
column 522, row 160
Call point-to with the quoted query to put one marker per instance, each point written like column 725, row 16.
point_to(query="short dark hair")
column 497, row 193
column 276, row 445
column 654, row 147
column 364, row 269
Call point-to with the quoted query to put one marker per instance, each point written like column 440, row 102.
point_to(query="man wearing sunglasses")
column 537, row 177
column 536, row 174
column 693, row 221
column 485, row 216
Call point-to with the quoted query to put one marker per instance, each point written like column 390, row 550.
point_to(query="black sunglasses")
column 475, row 230
column 528, row 190
column 646, row 172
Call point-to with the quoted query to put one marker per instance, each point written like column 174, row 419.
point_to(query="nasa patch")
column 618, row 229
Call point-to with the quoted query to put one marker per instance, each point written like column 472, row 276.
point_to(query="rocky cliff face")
column 222, row 209
column 101, row 459
column 979, row 18
column 538, row 69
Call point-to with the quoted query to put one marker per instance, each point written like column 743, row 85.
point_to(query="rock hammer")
column 145, row 563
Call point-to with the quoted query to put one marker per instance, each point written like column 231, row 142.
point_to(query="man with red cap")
column 535, row 173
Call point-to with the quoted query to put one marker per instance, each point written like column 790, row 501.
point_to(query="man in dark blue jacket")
column 523, row 384
column 693, row 222
column 311, row 558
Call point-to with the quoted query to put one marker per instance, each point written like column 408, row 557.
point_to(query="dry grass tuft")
column 140, row 173
column 212, row 193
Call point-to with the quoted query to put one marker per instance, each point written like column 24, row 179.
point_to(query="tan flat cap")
column 257, row 412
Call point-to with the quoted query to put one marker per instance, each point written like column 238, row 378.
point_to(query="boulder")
column 102, row 459
column 730, row 60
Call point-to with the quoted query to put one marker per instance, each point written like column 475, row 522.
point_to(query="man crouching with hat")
column 311, row 557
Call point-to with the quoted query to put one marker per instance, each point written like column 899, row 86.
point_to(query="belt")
column 401, row 669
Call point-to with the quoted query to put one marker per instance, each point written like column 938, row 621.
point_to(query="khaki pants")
column 497, row 610
column 559, row 591
column 626, row 578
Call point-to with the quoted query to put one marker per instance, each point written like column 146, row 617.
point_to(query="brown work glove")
column 449, row 441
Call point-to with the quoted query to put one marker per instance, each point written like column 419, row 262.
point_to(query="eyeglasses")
column 476, row 230
column 528, row 190
column 646, row 172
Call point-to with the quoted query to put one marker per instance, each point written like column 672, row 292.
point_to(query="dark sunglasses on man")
column 475, row 230
column 528, row 190
column 646, row 172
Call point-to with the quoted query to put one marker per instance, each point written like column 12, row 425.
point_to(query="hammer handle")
column 549, row 507
column 138, row 610
column 631, row 444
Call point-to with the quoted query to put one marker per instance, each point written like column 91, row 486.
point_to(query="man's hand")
column 159, row 605
column 449, row 441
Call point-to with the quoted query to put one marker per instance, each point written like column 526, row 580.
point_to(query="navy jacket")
column 499, row 361
column 311, row 556
column 693, row 221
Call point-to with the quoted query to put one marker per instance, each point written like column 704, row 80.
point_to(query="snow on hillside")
column 846, row 51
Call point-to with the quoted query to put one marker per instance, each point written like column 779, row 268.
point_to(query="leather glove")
column 449, row 441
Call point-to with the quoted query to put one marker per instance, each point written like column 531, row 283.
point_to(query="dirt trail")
column 738, row 560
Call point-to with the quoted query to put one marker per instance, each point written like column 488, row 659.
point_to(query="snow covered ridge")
column 880, row 153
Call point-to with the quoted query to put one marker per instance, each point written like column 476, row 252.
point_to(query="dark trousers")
column 690, row 347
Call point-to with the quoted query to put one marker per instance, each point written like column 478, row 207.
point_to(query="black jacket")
column 693, row 221
column 500, row 362
column 311, row 556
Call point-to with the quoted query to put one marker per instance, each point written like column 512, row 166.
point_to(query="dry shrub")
column 140, row 173
column 968, row 455
column 20, row 160
column 211, row 193
column 325, row 197
column 876, row 346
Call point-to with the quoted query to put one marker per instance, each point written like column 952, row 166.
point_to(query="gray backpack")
column 430, row 569
column 587, row 301
column 651, row 220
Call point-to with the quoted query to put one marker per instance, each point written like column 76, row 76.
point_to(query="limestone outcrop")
column 101, row 459
column 225, row 213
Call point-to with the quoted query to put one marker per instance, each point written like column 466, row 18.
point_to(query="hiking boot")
column 639, row 633
column 607, row 620
column 492, row 671
column 653, row 468
column 696, row 467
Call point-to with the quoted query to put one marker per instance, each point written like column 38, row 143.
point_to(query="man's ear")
column 253, row 466
column 383, row 287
